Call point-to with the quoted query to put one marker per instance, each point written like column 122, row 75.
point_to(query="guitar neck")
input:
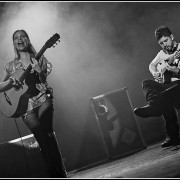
column 40, row 53
column 29, row 68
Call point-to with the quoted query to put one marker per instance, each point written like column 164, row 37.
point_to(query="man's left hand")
column 172, row 69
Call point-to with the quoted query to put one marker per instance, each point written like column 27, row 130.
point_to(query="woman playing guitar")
column 37, row 101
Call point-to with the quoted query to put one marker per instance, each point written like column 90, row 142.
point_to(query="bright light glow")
column 37, row 18
column 34, row 16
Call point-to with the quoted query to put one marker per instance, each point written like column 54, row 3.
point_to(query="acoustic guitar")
column 14, row 102
column 165, row 75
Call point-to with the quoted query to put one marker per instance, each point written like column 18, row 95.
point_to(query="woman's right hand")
column 15, row 83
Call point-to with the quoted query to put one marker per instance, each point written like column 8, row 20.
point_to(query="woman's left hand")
column 36, row 66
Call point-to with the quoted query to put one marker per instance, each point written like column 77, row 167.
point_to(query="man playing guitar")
column 163, row 94
column 166, row 60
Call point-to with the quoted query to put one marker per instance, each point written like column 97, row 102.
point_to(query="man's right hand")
column 157, row 76
column 16, row 83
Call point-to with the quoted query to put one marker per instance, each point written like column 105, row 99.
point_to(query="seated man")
column 163, row 94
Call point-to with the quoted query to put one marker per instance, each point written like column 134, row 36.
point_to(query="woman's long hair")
column 30, row 47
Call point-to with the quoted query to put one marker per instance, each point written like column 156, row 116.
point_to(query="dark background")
column 104, row 46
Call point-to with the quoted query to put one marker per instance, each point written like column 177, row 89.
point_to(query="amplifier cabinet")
column 119, row 129
column 21, row 158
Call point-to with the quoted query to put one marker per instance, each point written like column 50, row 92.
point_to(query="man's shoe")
column 148, row 111
column 170, row 142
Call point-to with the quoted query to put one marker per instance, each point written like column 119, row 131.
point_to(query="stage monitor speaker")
column 120, row 132
column 21, row 158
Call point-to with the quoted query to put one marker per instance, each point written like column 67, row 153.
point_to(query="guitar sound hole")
column 17, row 89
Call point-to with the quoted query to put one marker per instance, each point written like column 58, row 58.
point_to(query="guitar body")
column 165, row 75
column 14, row 102
column 161, row 67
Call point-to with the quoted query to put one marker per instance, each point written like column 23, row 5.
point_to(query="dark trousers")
column 152, row 91
column 40, row 123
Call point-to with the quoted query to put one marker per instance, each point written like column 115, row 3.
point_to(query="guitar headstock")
column 53, row 40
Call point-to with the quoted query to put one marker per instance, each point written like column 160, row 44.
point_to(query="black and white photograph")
column 89, row 89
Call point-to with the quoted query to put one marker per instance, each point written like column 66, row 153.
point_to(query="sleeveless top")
column 33, row 78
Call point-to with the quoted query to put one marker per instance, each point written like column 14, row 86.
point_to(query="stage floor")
column 152, row 162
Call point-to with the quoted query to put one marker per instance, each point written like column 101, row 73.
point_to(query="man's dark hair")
column 162, row 31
